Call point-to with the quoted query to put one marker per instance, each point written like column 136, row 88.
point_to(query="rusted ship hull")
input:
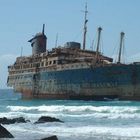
column 72, row 72
column 106, row 97
column 100, row 83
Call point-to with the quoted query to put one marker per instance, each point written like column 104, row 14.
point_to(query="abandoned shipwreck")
column 73, row 72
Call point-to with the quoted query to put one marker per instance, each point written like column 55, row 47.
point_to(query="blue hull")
column 99, row 83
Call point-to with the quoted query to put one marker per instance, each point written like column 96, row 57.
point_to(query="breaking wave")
column 112, row 120
column 77, row 109
column 82, row 112
column 74, row 132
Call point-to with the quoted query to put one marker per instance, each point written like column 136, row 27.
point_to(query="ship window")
column 50, row 62
column 59, row 61
column 38, row 64
column 46, row 63
column 54, row 62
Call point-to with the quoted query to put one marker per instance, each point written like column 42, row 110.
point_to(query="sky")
column 20, row 20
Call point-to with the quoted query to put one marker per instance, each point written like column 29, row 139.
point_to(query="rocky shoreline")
column 4, row 133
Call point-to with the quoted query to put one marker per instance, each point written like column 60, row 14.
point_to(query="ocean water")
column 83, row 120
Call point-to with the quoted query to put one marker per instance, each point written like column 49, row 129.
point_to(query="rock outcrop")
column 4, row 133
column 44, row 119
column 51, row 138
column 5, row 120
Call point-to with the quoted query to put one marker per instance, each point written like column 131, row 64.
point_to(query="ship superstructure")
column 72, row 72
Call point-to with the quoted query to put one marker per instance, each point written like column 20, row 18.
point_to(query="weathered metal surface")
column 72, row 73
column 38, row 43
column 102, row 82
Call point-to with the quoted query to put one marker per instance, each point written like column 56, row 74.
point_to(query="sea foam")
column 83, row 112
column 62, row 108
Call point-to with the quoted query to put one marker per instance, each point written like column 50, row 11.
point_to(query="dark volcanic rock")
column 44, row 119
column 4, row 133
column 51, row 138
column 5, row 120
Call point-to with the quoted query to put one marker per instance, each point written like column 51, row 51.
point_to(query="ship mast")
column 98, row 43
column 85, row 27
column 121, row 45
column 56, row 40
column 43, row 29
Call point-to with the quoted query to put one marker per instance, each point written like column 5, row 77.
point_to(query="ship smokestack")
column 38, row 42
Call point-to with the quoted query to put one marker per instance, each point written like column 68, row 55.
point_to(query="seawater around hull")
column 112, row 120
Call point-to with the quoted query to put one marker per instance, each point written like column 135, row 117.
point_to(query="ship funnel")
column 38, row 42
